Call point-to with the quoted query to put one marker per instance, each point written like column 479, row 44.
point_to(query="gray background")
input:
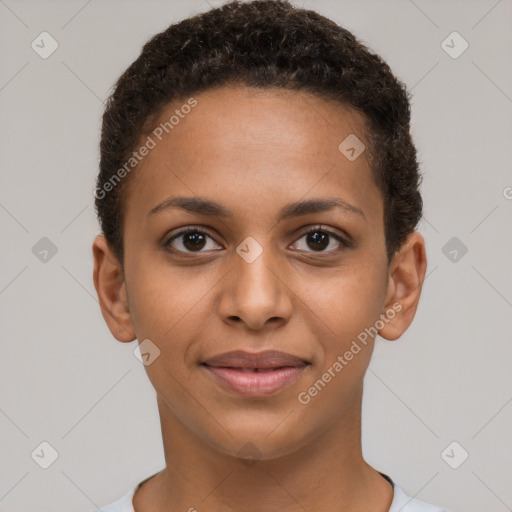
column 65, row 380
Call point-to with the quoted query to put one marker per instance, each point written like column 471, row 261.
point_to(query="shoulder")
column 123, row 504
column 403, row 503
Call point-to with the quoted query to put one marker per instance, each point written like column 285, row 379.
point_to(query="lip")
column 256, row 374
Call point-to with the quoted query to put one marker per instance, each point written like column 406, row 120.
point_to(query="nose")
column 256, row 293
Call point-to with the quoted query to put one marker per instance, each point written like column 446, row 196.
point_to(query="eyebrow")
column 211, row 208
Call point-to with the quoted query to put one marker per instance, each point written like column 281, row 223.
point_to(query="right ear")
column 111, row 290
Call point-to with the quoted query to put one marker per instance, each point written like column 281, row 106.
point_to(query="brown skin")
column 255, row 151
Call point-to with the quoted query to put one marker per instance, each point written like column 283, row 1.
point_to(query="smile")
column 255, row 375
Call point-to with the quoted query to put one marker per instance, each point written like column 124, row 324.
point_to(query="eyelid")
column 345, row 240
column 188, row 229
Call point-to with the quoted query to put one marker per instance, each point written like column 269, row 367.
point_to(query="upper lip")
column 265, row 359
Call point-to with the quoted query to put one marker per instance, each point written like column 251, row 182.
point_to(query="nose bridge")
column 255, row 292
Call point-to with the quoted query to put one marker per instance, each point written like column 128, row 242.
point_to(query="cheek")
column 162, row 299
column 345, row 303
column 173, row 308
column 342, row 317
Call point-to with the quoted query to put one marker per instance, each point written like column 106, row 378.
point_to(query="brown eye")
column 319, row 239
column 190, row 240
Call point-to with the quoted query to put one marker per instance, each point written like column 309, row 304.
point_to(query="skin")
column 255, row 151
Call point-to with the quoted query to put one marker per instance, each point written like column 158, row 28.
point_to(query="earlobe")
column 111, row 289
column 407, row 273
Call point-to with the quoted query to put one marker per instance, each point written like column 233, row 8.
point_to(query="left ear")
column 406, row 276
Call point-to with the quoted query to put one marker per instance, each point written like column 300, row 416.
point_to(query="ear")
column 406, row 276
column 111, row 289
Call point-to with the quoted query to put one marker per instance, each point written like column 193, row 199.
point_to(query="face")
column 272, row 246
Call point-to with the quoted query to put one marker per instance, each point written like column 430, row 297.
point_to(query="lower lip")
column 256, row 384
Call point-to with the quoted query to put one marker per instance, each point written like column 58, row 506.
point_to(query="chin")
column 266, row 440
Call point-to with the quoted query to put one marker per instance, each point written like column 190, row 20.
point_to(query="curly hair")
column 265, row 44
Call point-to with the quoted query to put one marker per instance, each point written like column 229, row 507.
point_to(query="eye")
column 320, row 238
column 192, row 239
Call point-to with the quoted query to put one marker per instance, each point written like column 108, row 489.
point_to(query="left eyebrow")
column 211, row 208
column 316, row 206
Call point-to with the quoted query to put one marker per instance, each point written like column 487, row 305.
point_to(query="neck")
column 327, row 474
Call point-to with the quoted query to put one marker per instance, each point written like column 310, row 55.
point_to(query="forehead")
column 253, row 145
column 273, row 119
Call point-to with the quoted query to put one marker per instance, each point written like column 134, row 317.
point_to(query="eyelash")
column 344, row 244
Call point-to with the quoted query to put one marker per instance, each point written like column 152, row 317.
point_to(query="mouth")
column 255, row 374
